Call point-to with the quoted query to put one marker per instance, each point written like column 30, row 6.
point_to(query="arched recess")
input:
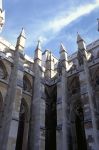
column 22, row 135
column 95, row 77
column 26, row 84
column 97, row 54
column 95, row 85
column 77, row 126
column 74, row 85
column 3, row 71
column 50, row 117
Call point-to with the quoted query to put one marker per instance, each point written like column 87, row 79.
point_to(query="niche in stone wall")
column 77, row 126
column 3, row 72
column 95, row 85
column 26, row 84
column 50, row 117
column 22, row 130
column 74, row 85
column 96, row 78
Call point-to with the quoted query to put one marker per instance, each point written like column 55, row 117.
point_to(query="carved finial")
column 21, row 40
column 79, row 38
column 23, row 33
column 62, row 48
column 38, row 45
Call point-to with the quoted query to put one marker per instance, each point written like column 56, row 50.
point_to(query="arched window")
column 26, row 84
column 98, row 54
column 23, row 119
column 74, row 86
column 3, row 72
column 96, row 78
column 77, row 126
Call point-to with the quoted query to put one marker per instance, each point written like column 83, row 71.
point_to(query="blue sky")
column 51, row 21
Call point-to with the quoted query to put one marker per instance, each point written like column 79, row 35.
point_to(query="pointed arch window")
column 26, row 84
column 22, row 134
column 77, row 126
column 74, row 86
column 96, row 78
column 98, row 54
column 3, row 72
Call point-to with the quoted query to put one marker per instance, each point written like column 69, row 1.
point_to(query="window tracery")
column 74, row 86
column 96, row 78
column 98, row 54
column 26, row 84
column 3, row 72
column 77, row 125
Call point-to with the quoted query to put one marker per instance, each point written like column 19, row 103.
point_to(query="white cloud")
column 58, row 24
column 50, row 29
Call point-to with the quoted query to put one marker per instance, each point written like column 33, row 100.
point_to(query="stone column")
column 83, row 53
column 7, row 120
column 59, row 116
column 62, row 116
column 64, row 111
column 92, row 109
column 12, row 137
column 36, row 141
column 8, row 104
column 63, row 89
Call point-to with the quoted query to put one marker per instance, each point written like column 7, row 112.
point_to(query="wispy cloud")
column 58, row 24
column 48, row 29
column 51, row 28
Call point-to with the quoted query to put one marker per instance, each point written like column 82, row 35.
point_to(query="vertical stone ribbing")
column 35, row 140
column 59, row 117
column 64, row 64
column 64, row 111
column 90, row 95
column 84, row 54
column 8, row 105
column 16, row 108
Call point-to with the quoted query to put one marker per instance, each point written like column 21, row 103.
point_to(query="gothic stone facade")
column 48, row 103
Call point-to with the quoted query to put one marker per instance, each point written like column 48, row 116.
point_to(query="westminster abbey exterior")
column 48, row 103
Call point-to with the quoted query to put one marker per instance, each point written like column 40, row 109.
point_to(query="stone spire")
column 81, row 43
column 63, row 55
column 38, row 53
column 21, row 40
column 2, row 16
